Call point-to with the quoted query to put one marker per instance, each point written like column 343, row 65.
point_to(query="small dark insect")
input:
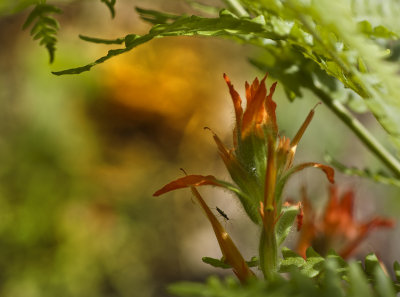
column 221, row 212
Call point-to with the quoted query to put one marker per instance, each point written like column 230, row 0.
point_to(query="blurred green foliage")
column 332, row 277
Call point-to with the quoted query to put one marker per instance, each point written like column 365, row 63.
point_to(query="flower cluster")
column 260, row 163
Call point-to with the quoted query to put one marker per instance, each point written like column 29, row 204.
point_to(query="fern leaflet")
column 44, row 26
column 110, row 4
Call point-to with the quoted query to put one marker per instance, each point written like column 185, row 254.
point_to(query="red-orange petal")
column 237, row 101
column 309, row 229
column 189, row 181
column 331, row 215
column 364, row 229
column 271, row 108
column 255, row 112
column 347, row 203
column 252, row 90
column 299, row 134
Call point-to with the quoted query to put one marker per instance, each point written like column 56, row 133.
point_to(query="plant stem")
column 237, row 7
column 357, row 127
column 268, row 248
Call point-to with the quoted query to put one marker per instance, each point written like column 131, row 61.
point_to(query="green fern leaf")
column 285, row 222
column 155, row 17
column 44, row 26
column 330, row 277
column 111, row 6
column 311, row 266
column 219, row 263
column 103, row 41
column 226, row 25
column 378, row 177
column 396, row 267
column 203, row 7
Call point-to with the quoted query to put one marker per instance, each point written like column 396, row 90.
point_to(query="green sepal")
column 396, row 268
column 220, row 263
column 311, row 266
column 285, row 222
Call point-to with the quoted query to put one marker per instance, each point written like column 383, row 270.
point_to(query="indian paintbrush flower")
column 260, row 163
column 336, row 228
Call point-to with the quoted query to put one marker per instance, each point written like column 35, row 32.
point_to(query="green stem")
column 268, row 248
column 236, row 7
column 363, row 134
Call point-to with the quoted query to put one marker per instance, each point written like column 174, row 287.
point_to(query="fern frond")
column 226, row 25
column 44, row 26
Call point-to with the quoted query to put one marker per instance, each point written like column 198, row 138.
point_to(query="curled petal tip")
column 316, row 105
column 156, row 194
column 330, row 173
column 211, row 130
column 381, row 222
column 226, row 78
column 264, row 78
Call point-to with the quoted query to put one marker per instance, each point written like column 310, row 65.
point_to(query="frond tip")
column 45, row 27
column 110, row 4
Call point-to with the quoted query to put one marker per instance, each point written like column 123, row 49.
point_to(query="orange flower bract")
column 337, row 227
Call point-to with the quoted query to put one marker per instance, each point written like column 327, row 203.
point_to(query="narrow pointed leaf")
column 285, row 222
column 103, row 41
column 45, row 26
column 384, row 285
column 111, row 6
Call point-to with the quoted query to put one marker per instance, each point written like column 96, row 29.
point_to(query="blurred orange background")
column 80, row 157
